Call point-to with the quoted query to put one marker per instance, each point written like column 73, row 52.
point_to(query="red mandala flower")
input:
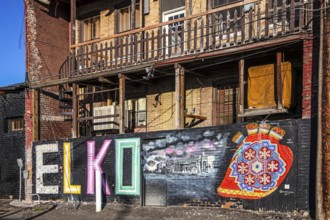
column 242, row 168
column 272, row 166
column 249, row 179
column 265, row 179
column 249, row 154
column 264, row 153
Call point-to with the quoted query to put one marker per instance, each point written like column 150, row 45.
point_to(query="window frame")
column 12, row 123
column 83, row 29
column 137, row 17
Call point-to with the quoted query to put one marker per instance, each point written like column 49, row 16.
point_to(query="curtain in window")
column 261, row 86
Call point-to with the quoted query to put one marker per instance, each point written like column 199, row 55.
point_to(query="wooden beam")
column 96, row 92
column 122, row 79
column 279, row 79
column 262, row 111
column 179, row 96
column 74, row 110
column 241, row 86
column 196, row 117
column 73, row 21
column 105, row 80
column 98, row 117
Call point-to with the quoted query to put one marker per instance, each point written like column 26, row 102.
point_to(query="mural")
column 259, row 165
column 192, row 166
column 42, row 169
column 67, row 187
column 94, row 163
column 128, row 145
column 186, row 161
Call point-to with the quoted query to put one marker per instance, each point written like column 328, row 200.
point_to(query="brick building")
column 131, row 68
column 12, row 137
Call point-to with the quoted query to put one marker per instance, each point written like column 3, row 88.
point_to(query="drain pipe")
column 20, row 164
column 319, row 214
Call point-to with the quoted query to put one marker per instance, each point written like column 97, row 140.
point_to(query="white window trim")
column 174, row 11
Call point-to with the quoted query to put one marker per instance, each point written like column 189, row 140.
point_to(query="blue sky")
column 12, row 42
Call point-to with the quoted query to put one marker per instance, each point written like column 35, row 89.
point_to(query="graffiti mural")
column 255, row 169
column 132, row 186
column 42, row 169
column 187, row 161
column 259, row 165
column 94, row 163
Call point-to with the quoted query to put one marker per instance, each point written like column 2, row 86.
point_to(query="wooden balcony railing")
column 236, row 25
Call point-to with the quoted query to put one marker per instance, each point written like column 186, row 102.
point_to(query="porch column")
column 73, row 21
column 133, row 5
column 241, row 86
column 122, row 79
column 179, row 96
column 279, row 79
column 74, row 130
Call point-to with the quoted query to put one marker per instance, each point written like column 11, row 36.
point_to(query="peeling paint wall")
column 47, row 47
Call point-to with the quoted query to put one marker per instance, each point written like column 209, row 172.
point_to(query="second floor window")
column 125, row 18
column 91, row 28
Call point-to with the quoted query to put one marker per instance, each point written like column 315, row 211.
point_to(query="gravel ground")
column 114, row 211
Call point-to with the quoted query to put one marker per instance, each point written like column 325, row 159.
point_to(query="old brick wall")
column 11, row 143
column 47, row 37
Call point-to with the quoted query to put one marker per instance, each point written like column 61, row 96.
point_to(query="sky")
column 12, row 42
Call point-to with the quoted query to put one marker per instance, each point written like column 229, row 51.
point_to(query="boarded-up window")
column 261, row 86
column 91, row 28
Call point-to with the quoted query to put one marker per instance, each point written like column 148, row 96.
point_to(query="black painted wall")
column 12, row 105
column 192, row 181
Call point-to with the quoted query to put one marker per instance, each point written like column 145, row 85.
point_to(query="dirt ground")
column 114, row 211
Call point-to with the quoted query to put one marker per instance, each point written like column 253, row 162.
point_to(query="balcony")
column 230, row 29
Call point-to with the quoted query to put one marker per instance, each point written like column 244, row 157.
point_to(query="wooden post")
column 279, row 79
column 73, row 37
column 241, row 85
column 179, row 96
column 74, row 111
column 73, row 22
column 122, row 79
column 214, row 106
column 133, row 7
